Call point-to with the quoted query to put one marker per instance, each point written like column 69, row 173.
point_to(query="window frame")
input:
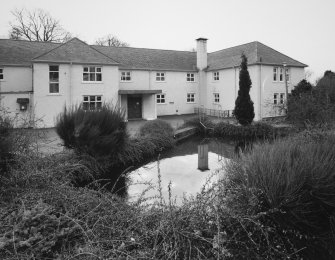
column 281, row 98
column 97, row 100
column 189, row 97
column 216, row 76
column 281, row 74
column 123, row 78
column 89, row 73
column 275, row 98
column 160, row 76
column 288, row 74
column 275, row 76
column 2, row 74
column 190, row 77
column 52, row 81
column 160, row 98
column 216, row 98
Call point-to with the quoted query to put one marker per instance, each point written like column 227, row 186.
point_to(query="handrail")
column 213, row 112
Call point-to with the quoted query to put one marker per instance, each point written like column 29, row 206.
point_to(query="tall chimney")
column 201, row 53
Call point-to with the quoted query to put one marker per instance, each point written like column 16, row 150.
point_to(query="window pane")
column 85, row 77
column 92, row 105
column 85, row 69
column 92, row 77
column 98, row 98
column 54, row 88
column 85, row 98
column 99, row 104
column 54, row 76
column 92, row 98
column 98, row 69
column 99, row 78
column 92, row 69
column 1, row 76
column 53, row 68
column 85, row 106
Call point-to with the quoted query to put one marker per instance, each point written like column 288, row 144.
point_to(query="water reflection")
column 182, row 171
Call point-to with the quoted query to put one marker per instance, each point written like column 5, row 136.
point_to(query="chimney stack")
column 201, row 53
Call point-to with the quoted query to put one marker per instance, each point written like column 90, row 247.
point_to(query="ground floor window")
column 53, row 79
column 278, row 98
column 190, row 98
column 1, row 73
column 160, row 98
column 92, row 102
column 216, row 97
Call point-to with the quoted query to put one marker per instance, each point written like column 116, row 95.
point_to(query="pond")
column 180, row 167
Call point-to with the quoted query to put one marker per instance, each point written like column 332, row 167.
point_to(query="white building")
column 37, row 79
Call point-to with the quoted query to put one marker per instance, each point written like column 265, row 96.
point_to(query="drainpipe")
column 70, row 76
column 260, row 92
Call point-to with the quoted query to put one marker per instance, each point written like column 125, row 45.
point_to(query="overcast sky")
column 301, row 29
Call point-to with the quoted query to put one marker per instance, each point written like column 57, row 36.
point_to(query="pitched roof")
column 75, row 51
column 17, row 52
column 141, row 58
column 23, row 53
column 256, row 52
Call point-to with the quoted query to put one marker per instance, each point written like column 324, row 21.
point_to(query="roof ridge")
column 232, row 47
column 129, row 47
column 17, row 40
column 282, row 53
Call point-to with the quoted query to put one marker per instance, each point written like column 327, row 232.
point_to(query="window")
column 160, row 76
column 190, row 77
column 278, row 98
column 53, row 79
column 216, row 97
column 125, row 76
column 92, row 73
column 281, row 74
column 1, row 73
column 287, row 75
column 275, row 71
column 190, row 98
column 160, row 98
column 92, row 102
column 216, row 76
column 281, row 98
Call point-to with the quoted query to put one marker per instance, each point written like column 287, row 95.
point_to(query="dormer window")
column 125, row 76
column 216, row 76
column 92, row 74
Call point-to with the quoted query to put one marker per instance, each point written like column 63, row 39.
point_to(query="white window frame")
column 53, row 81
column 160, row 76
column 281, row 74
column 190, row 98
column 190, row 77
column 275, row 98
column 275, row 76
column 125, row 76
column 281, row 98
column 216, row 98
column 288, row 74
column 96, row 100
column 216, row 75
column 87, row 70
column 2, row 74
column 161, row 97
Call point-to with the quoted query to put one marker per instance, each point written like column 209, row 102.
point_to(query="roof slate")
column 23, row 53
column 75, row 51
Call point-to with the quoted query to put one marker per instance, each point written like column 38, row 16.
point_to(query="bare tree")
column 111, row 40
column 37, row 25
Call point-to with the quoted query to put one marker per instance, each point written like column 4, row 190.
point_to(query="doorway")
column 134, row 106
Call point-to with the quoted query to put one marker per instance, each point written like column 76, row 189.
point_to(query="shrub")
column 293, row 183
column 95, row 132
column 6, row 145
column 244, row 107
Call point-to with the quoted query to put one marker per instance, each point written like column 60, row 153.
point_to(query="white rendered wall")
column 175, row 87
column 16, row 79
column 71, row 89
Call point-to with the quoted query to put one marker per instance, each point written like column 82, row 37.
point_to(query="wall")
column 149, row 107
column 175, row 88
column 269, row 87
column 71, row 89
column 12, row 82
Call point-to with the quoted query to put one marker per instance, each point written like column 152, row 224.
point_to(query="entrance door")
column 134, row 107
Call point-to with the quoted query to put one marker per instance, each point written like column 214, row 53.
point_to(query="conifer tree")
column 244, row 107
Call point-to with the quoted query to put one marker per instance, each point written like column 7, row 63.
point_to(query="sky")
column 301, row 29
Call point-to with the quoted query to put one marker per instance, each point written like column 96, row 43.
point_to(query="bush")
column 95, row 132
column 6, row 145
column 293, row 182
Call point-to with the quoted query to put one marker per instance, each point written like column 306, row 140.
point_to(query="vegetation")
column 313, row 106
column 244, row 107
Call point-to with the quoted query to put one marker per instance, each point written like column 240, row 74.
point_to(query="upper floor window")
column 216, row 97
column 160, row 76
column 53, row 79
column 216, row 76
column 125, row 76
column 92, row 102
column 190, row 98
column 190, row 77
column 281, row 74
column 1, row 73
column 160, row 98
column 287, row 74
column 92, row 73
column 275, row 72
